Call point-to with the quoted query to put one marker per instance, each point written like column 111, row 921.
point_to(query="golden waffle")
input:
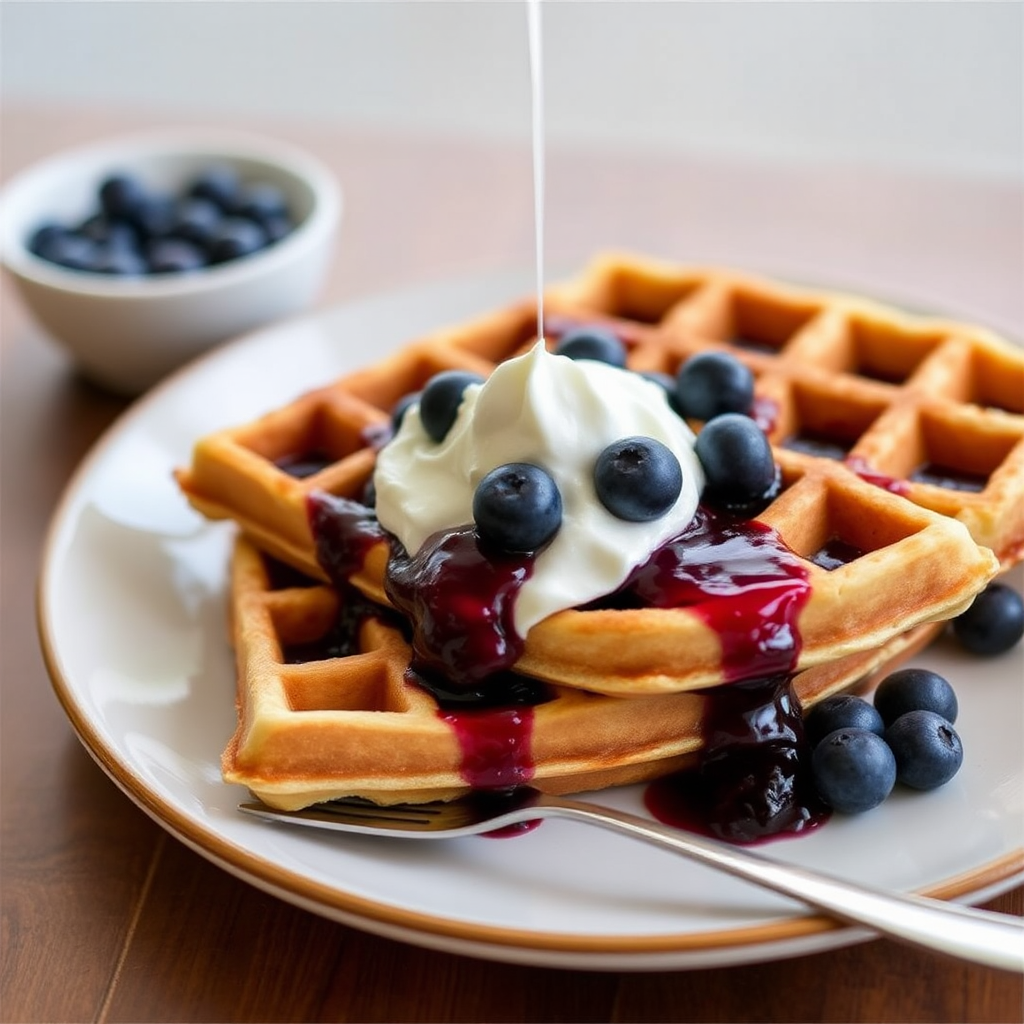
column 314, row 728
column 842, row 372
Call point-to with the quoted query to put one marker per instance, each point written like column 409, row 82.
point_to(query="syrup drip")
column 537, row 110
column 753, row 781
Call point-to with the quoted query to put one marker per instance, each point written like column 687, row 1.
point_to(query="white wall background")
column 931, row 84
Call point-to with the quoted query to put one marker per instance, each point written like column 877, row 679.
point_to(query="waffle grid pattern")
column 313, row 727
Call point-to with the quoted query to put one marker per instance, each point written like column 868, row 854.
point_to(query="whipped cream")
column 559, row 414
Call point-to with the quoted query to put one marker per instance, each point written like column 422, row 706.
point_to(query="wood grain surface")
column 108, row 918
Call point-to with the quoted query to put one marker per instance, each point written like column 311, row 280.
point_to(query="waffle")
column 313, row 727
column 866, row 409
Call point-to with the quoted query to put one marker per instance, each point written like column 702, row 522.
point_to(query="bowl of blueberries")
column 141, row 253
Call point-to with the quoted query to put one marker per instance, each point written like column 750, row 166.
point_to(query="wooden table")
column 108, row 918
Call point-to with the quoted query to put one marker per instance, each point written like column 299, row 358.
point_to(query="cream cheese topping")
column 559, row 414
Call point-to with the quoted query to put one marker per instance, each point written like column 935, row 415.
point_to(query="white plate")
column 132, row 619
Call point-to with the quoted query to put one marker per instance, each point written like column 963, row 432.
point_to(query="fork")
column 996, row 940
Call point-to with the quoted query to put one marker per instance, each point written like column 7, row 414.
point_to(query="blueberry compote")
column 864, row 470
column 306, row 464
column 458, row 598
column 739, row 578
column 735, row 574
column 952, row 479
column 753, row 781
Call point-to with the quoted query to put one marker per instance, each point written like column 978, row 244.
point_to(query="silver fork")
column 996, row 940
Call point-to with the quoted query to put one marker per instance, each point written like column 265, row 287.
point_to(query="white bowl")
column 126, row 333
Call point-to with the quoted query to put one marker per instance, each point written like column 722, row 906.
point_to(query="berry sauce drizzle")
column 344, row 531
column 460, row 600
column 740, row 579
column 735, row 574
column 753, row 781
column 872, row 476
column 342, row 639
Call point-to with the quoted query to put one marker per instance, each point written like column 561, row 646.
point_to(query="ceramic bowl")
column 126, row 333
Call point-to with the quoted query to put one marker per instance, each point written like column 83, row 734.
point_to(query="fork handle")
column 996, row 940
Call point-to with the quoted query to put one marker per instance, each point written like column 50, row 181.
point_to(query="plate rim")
column 991, row 877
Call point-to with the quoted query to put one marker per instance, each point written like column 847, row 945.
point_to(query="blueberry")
column 197, row 220
column 853, row 769
column 369, row 494
column 236, row 237
column 712, row 383
column 993, row 623
column 154, row 216
column 109, row 231
column 120, row 261
column 665, row 381
column 737, row 460
column 592, row 343
column 174, row 256
column 841, row 711
column 927, row 749
column 121, row 195
column 261, row 202
column 637, row 479
column 915, row 689
column 401, row 407
column 220, row 183
column 45, row 238
column 277, row 227
column 441, row 399
column 517, row 507
column 73, row 251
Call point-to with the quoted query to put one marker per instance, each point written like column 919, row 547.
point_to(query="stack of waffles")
column 900, row 442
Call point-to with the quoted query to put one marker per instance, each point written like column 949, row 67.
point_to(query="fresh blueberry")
column 121, row 195
column 105, row 230
column 592, row 343
column 927, row 749
column 369, row 494
column 841, row 711
column 197, row 220
column 441, row 399
column 637, row 479
column 73, row 251
column 45, row 238
column 665, row 381
column 220, row 183
column 712, row 383
column 154, row 216
column 261, row 202
column 401, row 407
column 120, row 261
column 853, row 769
column 737, row 460
column 174, row 256
column 277, row 227
column 915, row 689
column 236, row 237
column 993, row 623
column 517, row 507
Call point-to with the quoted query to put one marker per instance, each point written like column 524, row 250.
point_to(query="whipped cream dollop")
column 559, row 414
